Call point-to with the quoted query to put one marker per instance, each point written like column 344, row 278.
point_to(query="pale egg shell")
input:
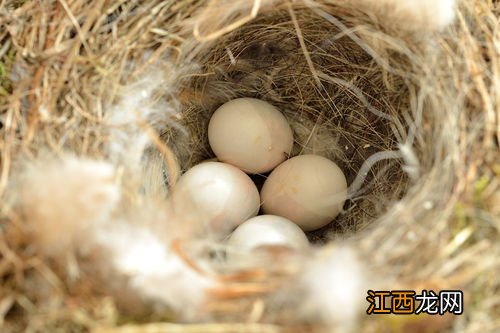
column 221, row 195
column 309, row 190
column 268, row 231
column 250, row 134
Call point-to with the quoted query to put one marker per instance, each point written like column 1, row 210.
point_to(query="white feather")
column 153, row 269
column 416, row 14
column 335, row 287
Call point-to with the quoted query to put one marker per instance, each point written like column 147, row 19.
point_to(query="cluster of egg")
column 303, row 193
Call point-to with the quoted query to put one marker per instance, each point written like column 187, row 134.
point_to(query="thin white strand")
column 365, row 168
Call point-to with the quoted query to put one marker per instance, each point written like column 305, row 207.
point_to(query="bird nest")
column 104, row 105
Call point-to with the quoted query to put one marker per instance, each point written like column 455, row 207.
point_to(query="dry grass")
column 352, row 86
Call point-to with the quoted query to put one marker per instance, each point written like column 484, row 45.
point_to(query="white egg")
column 220, row 195
column 309, row 190
column 250, row 134
column 267, row 231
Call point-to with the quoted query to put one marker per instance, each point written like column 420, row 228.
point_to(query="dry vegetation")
column 413, row 117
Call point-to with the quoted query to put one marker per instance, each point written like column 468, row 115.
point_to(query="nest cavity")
column 343, row 100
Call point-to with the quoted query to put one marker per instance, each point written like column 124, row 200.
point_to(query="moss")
column 6, row 64
column 481, row 184
column 17, row 3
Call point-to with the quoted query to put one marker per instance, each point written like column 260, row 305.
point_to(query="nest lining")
column 342, row 104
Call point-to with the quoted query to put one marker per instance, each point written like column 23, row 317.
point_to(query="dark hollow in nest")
column 341, row 103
